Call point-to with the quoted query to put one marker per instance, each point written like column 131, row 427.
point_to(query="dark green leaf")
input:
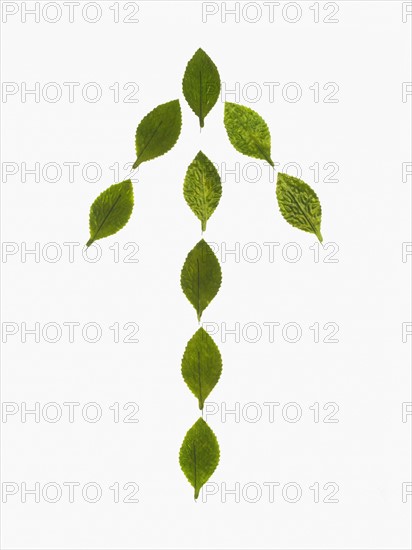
column 299, row 204
column 199, row 455
column 201, row 84
column 201, row 277
column 158, row 131
column 247, row 132
column 110, row 211
column 202, row 188
column 201, row 365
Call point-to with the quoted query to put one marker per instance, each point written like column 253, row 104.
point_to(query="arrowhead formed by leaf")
column 201, row 277
column 299, row 204
column 247, row 132
column 110, row 211
column 201, row 365
column 199, row 455
column 158, row 132
column 202, row 188
column 201, row 84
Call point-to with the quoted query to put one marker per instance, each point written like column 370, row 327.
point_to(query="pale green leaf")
column 201, row 277
column 158, row 132
column 247, row 132
column 299, row 204
column 201, row 84
column 110, row 211
column 202, row 188
column 199, row 455
column 201, row 365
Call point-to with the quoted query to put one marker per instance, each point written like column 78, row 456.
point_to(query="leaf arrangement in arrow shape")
column 201, row 275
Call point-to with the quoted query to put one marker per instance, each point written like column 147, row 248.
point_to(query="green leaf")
column 110, row 211
column 201, row 84
column 201, row 365
column 247, row 132
column 199, row 455
column 299, row 204
column 202, row 188
column 158, row 132
column 201, row 277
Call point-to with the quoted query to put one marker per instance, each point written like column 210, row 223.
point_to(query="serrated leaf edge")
column 201, row 119
column 137, row 162
column 200, row 316
column 267, row 159
column 281, row 181
column 221, row 363
column 199, row 156
column 218, row 453
column 93, row 239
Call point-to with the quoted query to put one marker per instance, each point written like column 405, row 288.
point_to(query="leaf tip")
column 281, row 178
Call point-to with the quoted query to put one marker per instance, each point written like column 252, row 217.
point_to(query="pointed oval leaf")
column 201, row 84
column 110, row 211
column 201, row 277
column 201, row 365
column 299, row 204
column 202, row 188
column 199, row 455
column 247, row 132
column 158, row 131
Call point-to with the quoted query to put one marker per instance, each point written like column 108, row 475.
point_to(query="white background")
column 366, row 293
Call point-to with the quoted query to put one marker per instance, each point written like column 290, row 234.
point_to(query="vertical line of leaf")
column 201, row 279
column 201, row 363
